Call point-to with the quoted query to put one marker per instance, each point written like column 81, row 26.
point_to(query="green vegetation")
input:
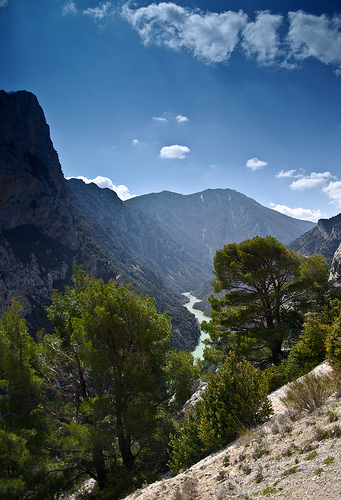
column 100, row 396
column 90, row 400
column 264, row 283
column 236, row 398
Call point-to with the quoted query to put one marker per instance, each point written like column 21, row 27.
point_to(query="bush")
column 235, row 398
column 309, row 392
column 310, row 350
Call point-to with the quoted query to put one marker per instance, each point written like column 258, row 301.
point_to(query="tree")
column 235, row 399
column 259, row 277
column 102, row 381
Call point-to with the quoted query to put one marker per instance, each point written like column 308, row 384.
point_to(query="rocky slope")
column 45, row 230
column 203, row 222
column 324, row 239
column 291, row 457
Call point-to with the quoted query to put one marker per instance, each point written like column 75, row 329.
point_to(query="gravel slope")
column 292, row 457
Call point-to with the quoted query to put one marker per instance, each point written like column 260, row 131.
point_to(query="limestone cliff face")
column 39, row 240
column 324, row 239
column 335, row 268
column 45, row 229
column 32, row 186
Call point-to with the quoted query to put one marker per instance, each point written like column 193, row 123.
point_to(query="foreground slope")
column 292, row 457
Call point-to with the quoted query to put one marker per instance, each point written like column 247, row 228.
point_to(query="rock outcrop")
column 45, row 228
column 323, row 239
column 335, row 268
column 32, row 187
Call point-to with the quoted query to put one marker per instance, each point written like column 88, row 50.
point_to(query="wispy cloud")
column 103, row 10
column 3, row 3
column 283, row 174
column 104, row 182
column 212, row 37
column 160, row 119
column 255, row 164
column 181, row 119
column 136, row 142
column 261, row 38
column 298, row 213
column 333, row 191
column 69, row 8
column 174, row 152
column 313, row 180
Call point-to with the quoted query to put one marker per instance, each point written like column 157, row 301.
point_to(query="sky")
column 183, row 96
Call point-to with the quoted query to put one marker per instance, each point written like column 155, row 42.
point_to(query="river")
column 199, row 350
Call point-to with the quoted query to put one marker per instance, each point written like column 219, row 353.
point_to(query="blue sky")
column 187, row 95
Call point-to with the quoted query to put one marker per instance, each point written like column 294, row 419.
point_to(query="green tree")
column 259, row 277
column 235, row 399
column 102, row 381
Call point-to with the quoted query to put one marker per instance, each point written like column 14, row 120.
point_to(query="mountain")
column 324, row 239
column 46, row 230
column 163, row 244
column 141, row 235
column 204, row 222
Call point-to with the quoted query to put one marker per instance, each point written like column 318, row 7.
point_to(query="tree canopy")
column 260, row 278
column 96, row 392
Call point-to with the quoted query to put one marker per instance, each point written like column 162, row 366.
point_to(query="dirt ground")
column 293, row 457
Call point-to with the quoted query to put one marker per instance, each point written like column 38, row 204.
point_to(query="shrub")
column 308, row 393
column 310, row 350
column 235, row 398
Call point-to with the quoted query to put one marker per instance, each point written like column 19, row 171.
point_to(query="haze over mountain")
column 203, row 222
column 161, row 243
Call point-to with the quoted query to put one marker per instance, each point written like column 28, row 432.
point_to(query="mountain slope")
column 45, row 230
column 141, row 235
column 324, row 239
column 203, row 222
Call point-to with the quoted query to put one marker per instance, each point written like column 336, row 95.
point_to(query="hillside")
column 291, row 457
column 324, row 239
column 45, row 230
column 203, row 222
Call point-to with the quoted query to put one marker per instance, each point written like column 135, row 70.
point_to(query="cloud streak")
column 313, row 180
column 298, row 213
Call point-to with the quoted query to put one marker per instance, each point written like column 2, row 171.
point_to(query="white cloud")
column 103, row 10
column 287, row 173
column 255, row 164
column 333, row 190
column 181, row 119
column 209, row 36
column 136, row 142
column 174, row 152
column 260, row 38
column 314, row 180
column 298, row 213
column 212, row 37
column 160, row 119
column 69, row 8
column 315, row 36
column 3, row 3
column 104, row 182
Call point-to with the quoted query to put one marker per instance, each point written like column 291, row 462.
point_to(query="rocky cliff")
column 46, row 228
column 324, row 239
